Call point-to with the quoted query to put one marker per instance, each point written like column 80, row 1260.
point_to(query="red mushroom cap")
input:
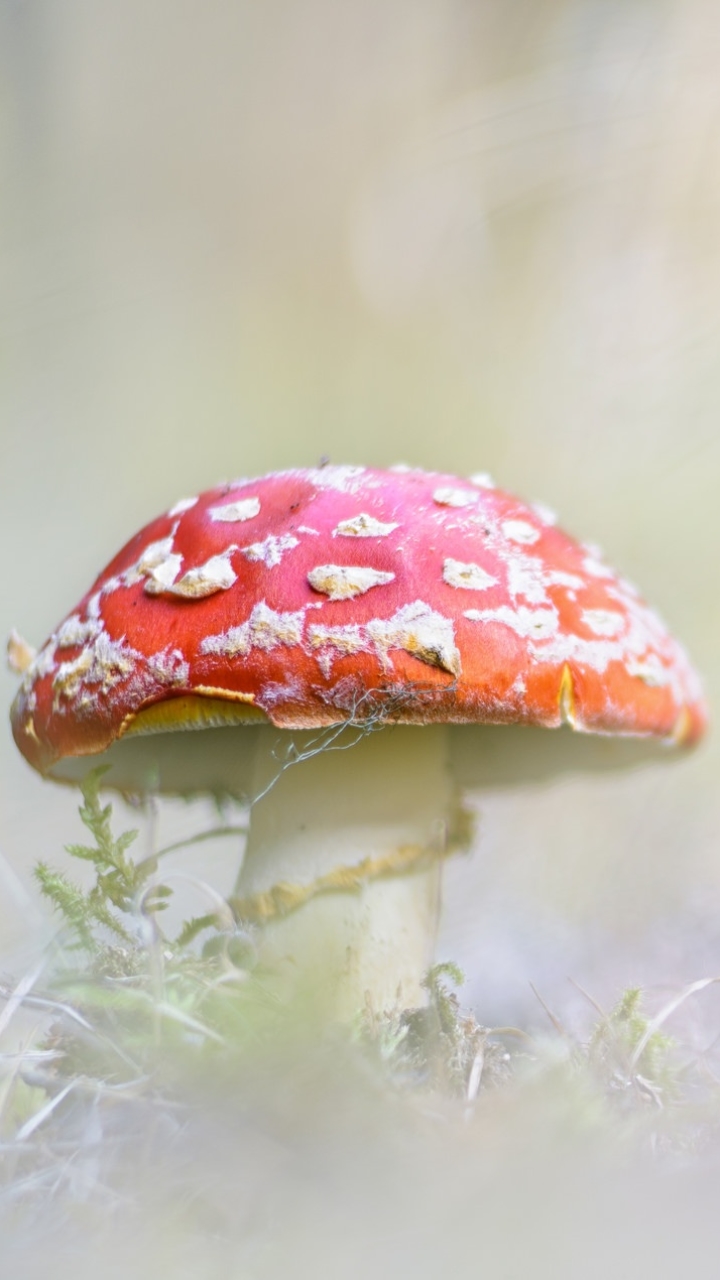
column 311, row 597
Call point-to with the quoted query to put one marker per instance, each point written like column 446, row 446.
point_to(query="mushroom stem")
column 343, row 865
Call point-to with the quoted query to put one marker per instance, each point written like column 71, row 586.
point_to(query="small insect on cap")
column 311, row 597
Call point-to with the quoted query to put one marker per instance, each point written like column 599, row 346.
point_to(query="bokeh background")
column 463, row 234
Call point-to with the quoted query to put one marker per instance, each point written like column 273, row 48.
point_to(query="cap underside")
column 209, row 709
column 480, row 757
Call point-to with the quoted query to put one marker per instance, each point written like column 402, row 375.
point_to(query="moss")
column 143, row 1032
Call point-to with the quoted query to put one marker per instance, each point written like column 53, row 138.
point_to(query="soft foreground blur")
column 468, row 237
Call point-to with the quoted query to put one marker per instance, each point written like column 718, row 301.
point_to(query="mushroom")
column 314, row 610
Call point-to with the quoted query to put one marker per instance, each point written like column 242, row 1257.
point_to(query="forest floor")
column 163, row 1113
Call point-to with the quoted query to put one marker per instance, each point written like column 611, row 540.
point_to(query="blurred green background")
column 467, row 236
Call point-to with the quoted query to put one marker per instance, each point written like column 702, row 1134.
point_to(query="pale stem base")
column 369, row 946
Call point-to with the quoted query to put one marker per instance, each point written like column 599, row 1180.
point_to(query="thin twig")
column 656, row 1022
column 41, row 1116
column 19, row 995
column 586, row 995
column 476, row 1074
column 59, row 1006
column 555, row 1021
column 217, row 900
column 214, row 833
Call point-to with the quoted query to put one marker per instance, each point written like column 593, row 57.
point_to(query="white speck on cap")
column 557, row 578
column 363, row 526
column 104, row 663
column 651, row 672
column 93, row 607
column 597, row 654
column 421, row 632
column 281, row 691
column 526, row 577
column 336, row 642
column 545, row 513
column 264, row 629
column 233, row 512
column 155, row 554
column 271, row 550
column 184, row 504
column 534, row 624
column 342, row 582
column 41, row 664
column 344, row 479
column 595, row 568
column 269, row 628
column 161, row 576
column 470, row 577
column 20, row 654
column 446, row 497
column 217, row 574
column 603, row 622
column 520, row 531
column 482, row 480
column 349, row 639
column 169, row 667
column 74, row 631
